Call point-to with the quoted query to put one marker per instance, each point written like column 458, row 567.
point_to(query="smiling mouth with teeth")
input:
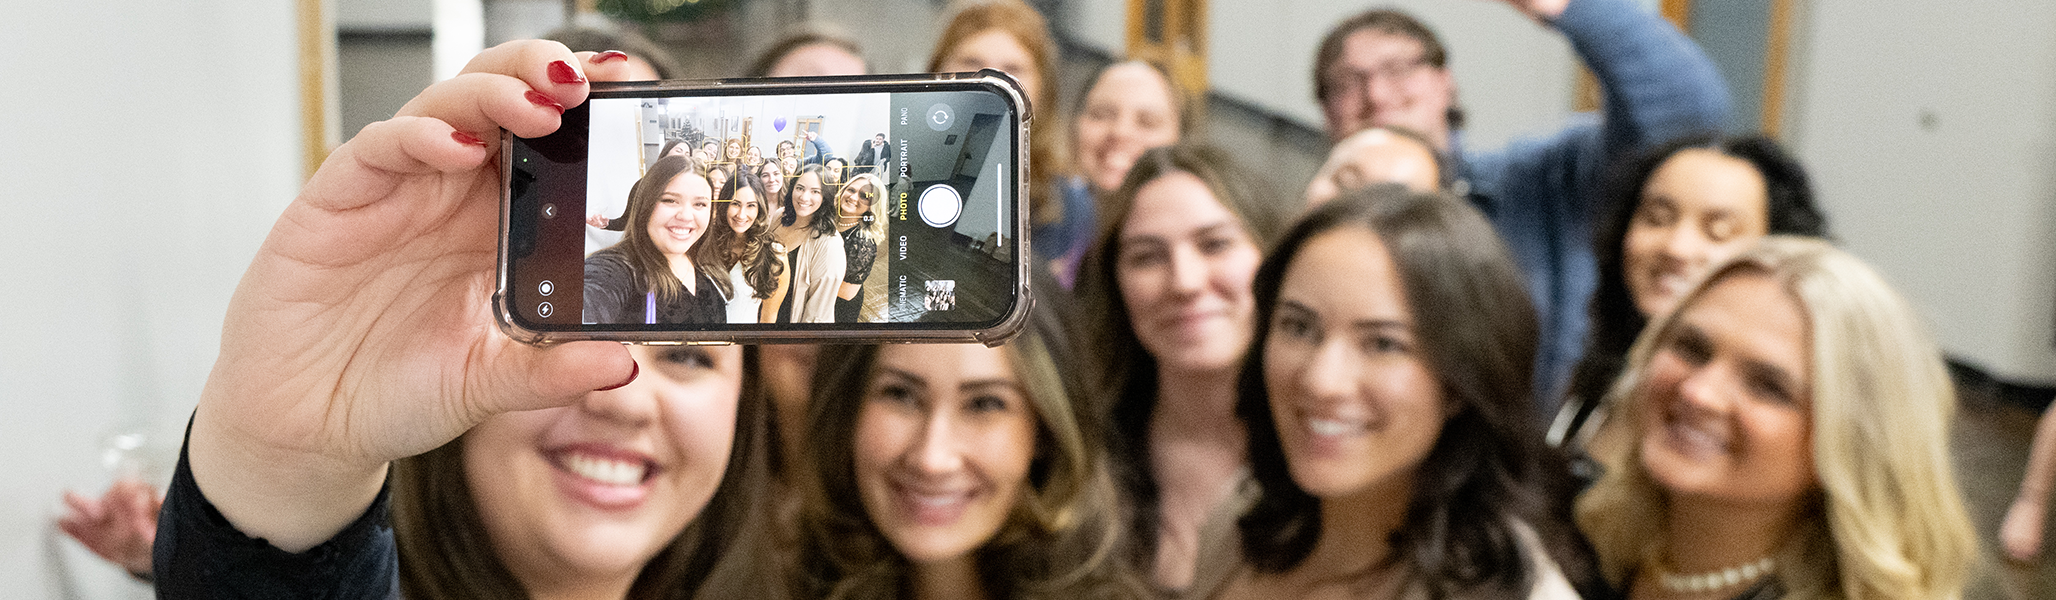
column 1331, row 427
column 604, row 470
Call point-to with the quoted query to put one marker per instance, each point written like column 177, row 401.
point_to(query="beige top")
column 1220, row 556
column 816, row 276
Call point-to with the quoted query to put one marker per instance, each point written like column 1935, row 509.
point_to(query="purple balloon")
column 778, row 124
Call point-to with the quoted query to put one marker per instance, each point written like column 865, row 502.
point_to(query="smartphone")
column 883, row 209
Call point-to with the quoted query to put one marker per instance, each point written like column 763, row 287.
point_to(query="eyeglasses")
column 1344, row 78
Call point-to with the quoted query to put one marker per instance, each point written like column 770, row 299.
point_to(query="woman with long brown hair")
column 1166, row 300
column 1013, row 37
column 958, row 471
column 740, row 247
column 651, row 275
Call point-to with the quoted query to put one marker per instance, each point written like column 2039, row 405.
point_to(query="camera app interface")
column 769, row 212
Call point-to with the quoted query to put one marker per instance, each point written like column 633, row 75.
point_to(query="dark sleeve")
column 819, row 156
column 198, row 554
column 860, row 250
column 607, row 287
column 617, row 223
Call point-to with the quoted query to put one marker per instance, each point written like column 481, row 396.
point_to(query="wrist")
column 294, row 498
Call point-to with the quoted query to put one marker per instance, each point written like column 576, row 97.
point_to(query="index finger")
column 545, row 65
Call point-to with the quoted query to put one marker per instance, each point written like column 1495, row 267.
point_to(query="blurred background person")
column 810, row 50
column 646, row 60
column 2020, row 533
column 874, row 155
column 1012, row 37
column 772, row 175
column 1377, row 155
column 1165, row 300
column 718, row 178
column 1131, row 107
column 119, row 526
column 1674, row 212
column 1384, row 67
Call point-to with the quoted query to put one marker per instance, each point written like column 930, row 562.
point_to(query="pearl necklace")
column 1700, row 583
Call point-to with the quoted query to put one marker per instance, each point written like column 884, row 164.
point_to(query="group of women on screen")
column 686, row 256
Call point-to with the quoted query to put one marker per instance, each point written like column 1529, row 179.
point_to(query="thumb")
column 557, row 375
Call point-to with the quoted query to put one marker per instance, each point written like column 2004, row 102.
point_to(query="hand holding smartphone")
column 883, row 209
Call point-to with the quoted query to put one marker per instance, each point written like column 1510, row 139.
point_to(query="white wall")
column 146, row 148
column 1959, row 211
column 1514, row 76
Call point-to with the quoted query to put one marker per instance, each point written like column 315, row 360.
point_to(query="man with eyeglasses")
column 1383, row 67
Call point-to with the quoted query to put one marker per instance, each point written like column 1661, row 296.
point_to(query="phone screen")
column 859, row 210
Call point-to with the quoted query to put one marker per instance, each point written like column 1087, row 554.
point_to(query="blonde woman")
column 1782, row 434
column 862, row 226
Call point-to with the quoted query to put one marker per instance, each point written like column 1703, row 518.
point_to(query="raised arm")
column 1657, row 83
column 363, row 331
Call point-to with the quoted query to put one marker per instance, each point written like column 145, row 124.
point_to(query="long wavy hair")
column 445, row 551
column 824, row 217
column 651, row 270
column 721, row 250
column 1615, row 319
column 1122, row 372
column 1489, row 471
column 1063, row 539
column 1888, row 521
column 1048, row 143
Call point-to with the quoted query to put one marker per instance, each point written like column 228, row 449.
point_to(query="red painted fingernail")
column 633, row 370
column 561, row 72
column 466, row 139
column 609, row 55
column 538, row 99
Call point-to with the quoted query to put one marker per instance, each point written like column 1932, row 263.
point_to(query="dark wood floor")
column 981, row 283
column 1991, row 442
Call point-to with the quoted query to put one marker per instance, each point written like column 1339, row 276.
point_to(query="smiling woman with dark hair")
column 814, row 253
column 740, row 250
column 1385, row 398
column 1675, row 212
column 959, row 471
column 650, row 276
